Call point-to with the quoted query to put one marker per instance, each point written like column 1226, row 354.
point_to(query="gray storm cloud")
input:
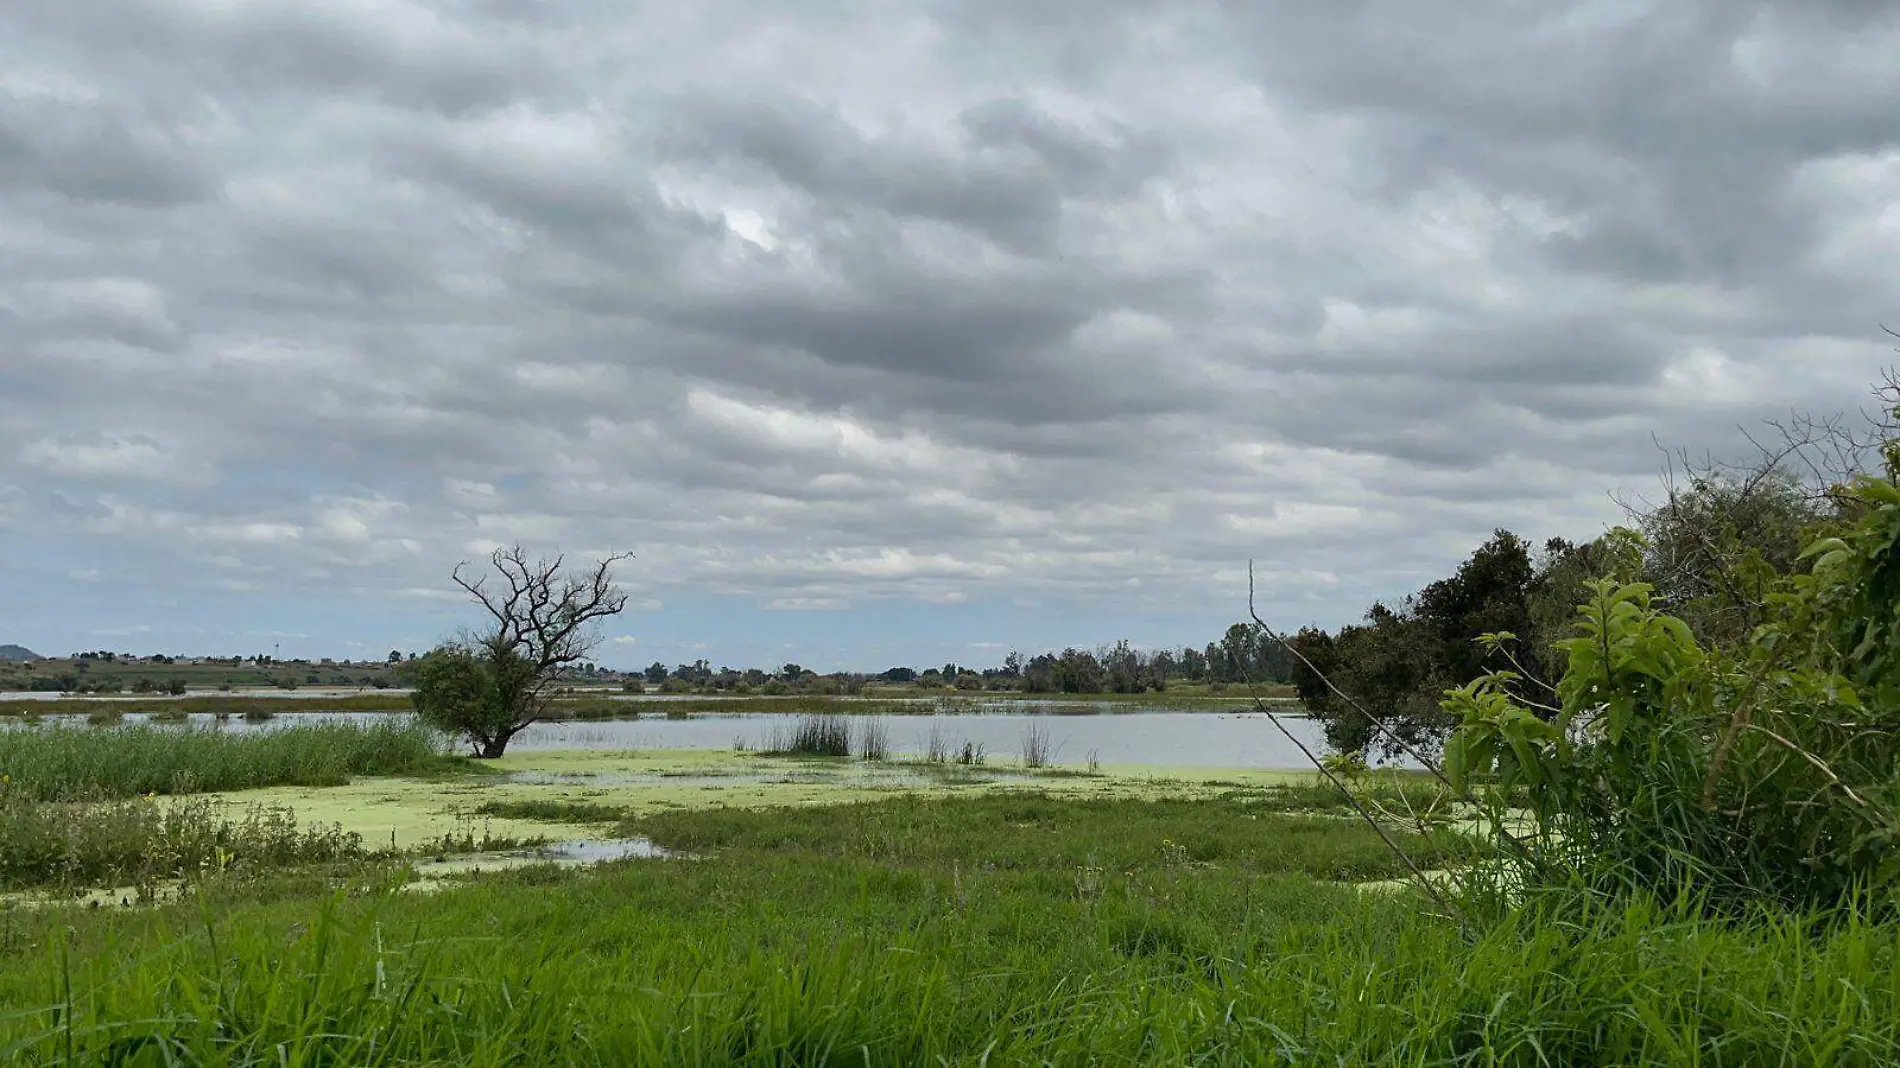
column 1055, row 300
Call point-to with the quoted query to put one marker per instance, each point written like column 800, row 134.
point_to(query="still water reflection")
column 1188, row 739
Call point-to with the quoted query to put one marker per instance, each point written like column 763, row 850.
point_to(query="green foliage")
column 556, row 811
column 474, row 691
column 65, row 763
column 103, row 672
column 1397, row 663
column 1766, row 770
column 1711, row 553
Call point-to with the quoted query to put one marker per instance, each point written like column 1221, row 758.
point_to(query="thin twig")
column 1418, row 874
column 1814, row 760
column 1397, row 742
column 1737, row 721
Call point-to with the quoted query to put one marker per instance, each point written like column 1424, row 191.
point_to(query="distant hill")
column 18, row 652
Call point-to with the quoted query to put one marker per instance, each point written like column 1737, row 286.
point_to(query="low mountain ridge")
column 18, row 652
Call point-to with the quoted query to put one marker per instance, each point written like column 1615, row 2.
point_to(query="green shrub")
column 1766, row 771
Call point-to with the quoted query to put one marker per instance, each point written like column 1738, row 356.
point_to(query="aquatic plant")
column 55, row 763
column 814, row 735
column 873, row 740
column 1037, row 748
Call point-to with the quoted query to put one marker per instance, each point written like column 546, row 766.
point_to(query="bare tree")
column 1719, row 521
column 493, row 685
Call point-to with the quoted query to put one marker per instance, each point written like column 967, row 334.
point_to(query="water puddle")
column 574, row 853
column 101, row 897
column 431, row 873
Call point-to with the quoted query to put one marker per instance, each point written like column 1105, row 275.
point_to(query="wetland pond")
column 1162, row 739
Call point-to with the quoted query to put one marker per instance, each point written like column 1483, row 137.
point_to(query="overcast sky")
column 895, row 333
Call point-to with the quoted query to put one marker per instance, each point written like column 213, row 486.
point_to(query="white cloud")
column 85, row 574
column 254, row 532
column 476, row 496
column 431, row 593
column 626, row 639
column 105, row 456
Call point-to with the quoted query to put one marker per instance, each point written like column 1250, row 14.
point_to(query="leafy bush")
column 1766, row 771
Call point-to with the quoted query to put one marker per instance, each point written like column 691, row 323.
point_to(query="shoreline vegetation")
column 63, row 763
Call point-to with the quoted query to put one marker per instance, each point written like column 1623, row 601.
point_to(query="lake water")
column 1188, row 739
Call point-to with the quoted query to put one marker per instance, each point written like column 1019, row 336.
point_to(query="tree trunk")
column 493, row 747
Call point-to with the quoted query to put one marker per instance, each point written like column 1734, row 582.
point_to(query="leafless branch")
column 542, row 618
column 1818, row 763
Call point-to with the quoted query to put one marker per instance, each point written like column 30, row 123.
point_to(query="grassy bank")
column 92, row 671
column 999, row 930
column 230, row 705
column 61, row 763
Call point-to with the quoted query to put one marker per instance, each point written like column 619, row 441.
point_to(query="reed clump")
column 63, row 763
column 814, row 735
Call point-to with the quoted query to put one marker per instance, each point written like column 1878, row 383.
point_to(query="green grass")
column 553, row 811
column 58, row 763
column 962, row 932
column 142, row 843
column 1027, row 832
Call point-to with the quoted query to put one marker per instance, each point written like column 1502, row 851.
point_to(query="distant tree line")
column 1244, row 654
column 107, row 672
